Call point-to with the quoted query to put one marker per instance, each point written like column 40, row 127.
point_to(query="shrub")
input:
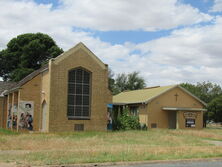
column 127, row 121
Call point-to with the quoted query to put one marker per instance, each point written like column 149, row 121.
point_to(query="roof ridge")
column 29, row 77
column 152, row 87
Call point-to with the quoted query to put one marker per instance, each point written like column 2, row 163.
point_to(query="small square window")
column 85, row 100
column 78, row 89
column 86, row 89
column 86, row 77
column 79, row 76
column 78, row 111
column 71, row 99
column 79, row 127
column 78, row 100
column 85, row 111
column 153, row 125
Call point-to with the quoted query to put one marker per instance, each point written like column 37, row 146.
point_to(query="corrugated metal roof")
column 5, row 86
column 140, row 96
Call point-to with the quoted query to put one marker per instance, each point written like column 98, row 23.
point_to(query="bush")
column 127, row 121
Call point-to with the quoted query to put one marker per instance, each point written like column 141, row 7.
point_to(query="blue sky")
column 167, row 41
column 136, row 36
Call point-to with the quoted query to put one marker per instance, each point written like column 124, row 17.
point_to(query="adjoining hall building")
column 163, row 107
column 70, row 93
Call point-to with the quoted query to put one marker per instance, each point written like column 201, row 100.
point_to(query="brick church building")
column 70, row 93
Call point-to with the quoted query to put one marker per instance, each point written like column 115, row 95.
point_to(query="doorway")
column 172, row 119
column 44, row 116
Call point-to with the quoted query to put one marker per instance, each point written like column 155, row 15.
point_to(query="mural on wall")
column 15, row 115
column 25, row 114
column 9, row 116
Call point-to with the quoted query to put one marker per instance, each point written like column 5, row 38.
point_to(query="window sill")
column 78, row 118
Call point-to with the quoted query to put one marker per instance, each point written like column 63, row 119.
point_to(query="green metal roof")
column 140, row 96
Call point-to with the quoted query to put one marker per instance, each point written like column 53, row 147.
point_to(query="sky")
column 167, row 41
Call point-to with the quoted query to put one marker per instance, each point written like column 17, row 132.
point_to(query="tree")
column 26, row 53
column 215, row 109
column 206, row 91
column 111, row 80
column 131, row 81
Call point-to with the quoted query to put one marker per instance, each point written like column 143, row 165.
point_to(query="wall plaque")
column 191, row 115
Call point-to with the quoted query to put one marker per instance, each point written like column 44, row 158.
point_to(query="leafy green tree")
column 206, row 91
column 121, row 82
column 215, row 109
column 26, row 53
column 209, row 93
column 111, row 80
column 131, row 81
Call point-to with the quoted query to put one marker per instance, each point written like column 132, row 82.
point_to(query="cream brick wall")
column 45, row 87
column 100, row 95
column 31, row 91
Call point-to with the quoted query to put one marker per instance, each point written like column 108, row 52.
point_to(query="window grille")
column 153, row 125
column 79, row 127
column 79, row 94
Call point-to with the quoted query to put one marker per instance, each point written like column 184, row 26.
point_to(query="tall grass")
column 86, row 147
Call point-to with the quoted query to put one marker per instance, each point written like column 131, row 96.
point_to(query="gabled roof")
column 57, row 60
column 80, row 45
column 146, row 95
column 27, row 78
column 4, row 86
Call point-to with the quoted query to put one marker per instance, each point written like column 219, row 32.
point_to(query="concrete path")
column 216, row 143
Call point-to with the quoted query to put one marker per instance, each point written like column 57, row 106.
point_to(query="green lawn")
column 88, row 147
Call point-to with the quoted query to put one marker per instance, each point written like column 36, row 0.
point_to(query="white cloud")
column 190, row 54
column 24, row 16
column 130, row 15
column 217, row 7
column 186, row 55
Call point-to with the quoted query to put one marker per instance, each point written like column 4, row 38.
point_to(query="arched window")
column 79, row 86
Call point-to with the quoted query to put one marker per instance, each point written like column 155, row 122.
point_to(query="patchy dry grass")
column 86, row 147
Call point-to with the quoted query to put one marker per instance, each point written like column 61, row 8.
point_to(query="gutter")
column 10, row 91
column 121, row 104
column 183, row 109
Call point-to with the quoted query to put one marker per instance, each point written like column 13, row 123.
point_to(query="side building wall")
column 1, row 111
column 160, row 117
column 5, row 112
column 31, row 91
